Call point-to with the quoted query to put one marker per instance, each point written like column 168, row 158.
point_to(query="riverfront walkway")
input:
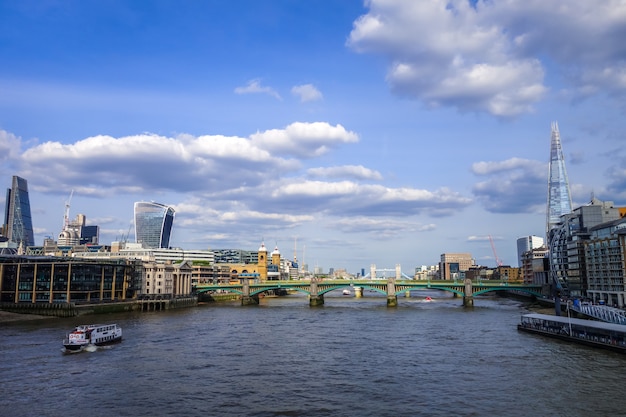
column 316, row 288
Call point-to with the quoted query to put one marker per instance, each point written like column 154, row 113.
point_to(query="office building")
column 153, row 224
column 605, row 252
column 454, row 265
column 18, row 223
column 525, row 244
column 567, row 257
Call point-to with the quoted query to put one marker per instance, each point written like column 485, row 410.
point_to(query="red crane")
column 493, row 247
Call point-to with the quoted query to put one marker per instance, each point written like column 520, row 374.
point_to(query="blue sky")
column 385, row 131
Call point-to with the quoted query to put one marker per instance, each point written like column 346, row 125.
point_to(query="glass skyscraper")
column 558, row 227
column 153, row 224
column 559, row 198
column 18, row 223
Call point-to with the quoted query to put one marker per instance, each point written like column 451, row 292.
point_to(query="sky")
column 345, row 133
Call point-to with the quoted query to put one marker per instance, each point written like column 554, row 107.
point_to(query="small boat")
column 92, row 334
column 428, row 299
column 587, row 332
column 346, row 292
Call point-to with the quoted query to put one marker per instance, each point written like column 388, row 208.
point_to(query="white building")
column 525, row 244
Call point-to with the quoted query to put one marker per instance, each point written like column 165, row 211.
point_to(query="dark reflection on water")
column 351, row 357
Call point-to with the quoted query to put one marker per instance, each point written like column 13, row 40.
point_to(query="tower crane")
column 493, row 247
column 66, row 216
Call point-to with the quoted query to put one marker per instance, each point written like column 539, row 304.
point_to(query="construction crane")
column 66, row 216
column 495, row 254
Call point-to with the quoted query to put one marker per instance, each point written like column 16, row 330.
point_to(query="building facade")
column 153, row 224
column 605, row 256
column 167, row 280
column 525, row 244
column 567, row 244
column 535, row 268
column 454, row 265
column 18, row 223
column 45, row 279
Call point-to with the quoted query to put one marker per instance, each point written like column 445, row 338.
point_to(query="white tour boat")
column 92, row 334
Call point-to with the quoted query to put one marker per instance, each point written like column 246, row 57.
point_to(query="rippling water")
column 351, row 357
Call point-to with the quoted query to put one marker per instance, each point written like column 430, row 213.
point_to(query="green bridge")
column 250, row 289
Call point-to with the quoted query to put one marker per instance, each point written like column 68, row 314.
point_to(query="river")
column 350, row 357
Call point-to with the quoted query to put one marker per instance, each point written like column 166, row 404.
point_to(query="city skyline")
column 367, row 132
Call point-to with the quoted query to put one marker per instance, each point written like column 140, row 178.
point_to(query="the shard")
column 559, row 198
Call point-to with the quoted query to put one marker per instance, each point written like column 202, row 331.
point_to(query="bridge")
column 316, row 288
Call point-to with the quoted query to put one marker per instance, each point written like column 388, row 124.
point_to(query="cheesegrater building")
column 18, row 223
column 153, row 224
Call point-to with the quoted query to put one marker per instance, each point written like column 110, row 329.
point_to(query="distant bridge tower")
column 559, row 198
column 373, row 271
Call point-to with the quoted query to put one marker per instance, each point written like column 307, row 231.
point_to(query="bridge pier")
column 392, row 298
column 468, row 298
column 358, row 292
column 316, row 300
column 247, row 300
column 468, row 301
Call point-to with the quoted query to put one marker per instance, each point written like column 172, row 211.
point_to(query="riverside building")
column 454, row 265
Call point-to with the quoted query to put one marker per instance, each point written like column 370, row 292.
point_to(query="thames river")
column 350, row 357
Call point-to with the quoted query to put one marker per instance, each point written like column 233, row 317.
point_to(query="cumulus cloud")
column 353, row 198
column 304, row 140
column 515, row 185
column 381, row 228
column 255, row 87
column 346, row 171
column 306, row 92
column 487, row 56
column 9, row 146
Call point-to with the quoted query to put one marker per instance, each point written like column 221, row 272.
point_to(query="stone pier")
column 315, row 299
column 392, row 298
column 468, row 298
column 246, row 298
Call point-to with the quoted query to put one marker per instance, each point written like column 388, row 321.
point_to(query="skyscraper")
column 153, row 224
column 559, row 198
column 559, row 204
column 525, row 244
column 18, row 223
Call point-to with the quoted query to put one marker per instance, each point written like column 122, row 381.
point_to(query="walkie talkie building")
column 153, row 224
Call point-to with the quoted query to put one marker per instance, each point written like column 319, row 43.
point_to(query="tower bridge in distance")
column 250, row 289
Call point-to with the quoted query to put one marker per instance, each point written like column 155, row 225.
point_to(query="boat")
column 587, row 332
column 346, row 292
column 428, row 299
column 92, row 334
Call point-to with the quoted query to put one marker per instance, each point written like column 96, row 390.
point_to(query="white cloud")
column 305, row 140
column 255, row 87
column 488, row 57
column 346, row 171
column 515, row 185
column 9, row 146
column 306, row 92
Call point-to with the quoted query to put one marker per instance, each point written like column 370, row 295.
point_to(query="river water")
column 350, row 357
